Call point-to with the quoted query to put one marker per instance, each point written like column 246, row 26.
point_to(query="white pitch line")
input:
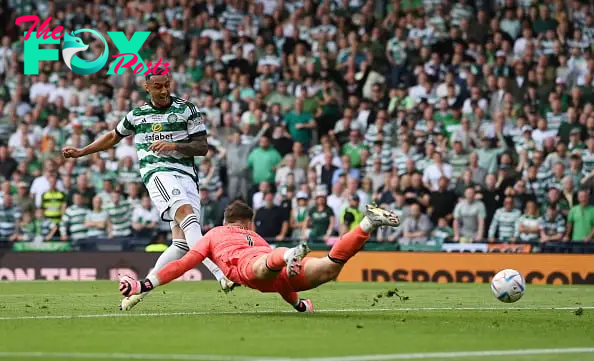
column 348, row 310
column 390, row 357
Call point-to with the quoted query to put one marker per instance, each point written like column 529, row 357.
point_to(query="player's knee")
column 179, row 210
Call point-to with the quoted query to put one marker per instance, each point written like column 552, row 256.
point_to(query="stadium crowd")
column 473, row 119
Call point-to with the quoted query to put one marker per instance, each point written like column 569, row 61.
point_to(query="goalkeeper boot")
column 381, row 217
column 227, row 285
column 294, row 256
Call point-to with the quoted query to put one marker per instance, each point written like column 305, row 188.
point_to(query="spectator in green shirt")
column 353, row 148
column 300, row 124
column 263, row 161
column 580, row 223
column 320, row 218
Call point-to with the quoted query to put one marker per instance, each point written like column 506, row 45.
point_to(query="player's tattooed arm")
column 197, row 145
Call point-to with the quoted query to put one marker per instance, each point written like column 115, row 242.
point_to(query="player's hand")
column 129, row 286
column 70, row 152
column 161, row 146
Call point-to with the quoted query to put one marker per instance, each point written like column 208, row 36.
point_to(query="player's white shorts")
column 167, row 188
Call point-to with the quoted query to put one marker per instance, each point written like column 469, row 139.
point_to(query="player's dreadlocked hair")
column 238, row 212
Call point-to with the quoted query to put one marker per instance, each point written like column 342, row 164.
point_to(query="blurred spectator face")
column 321, row 201
column 553, row 195
column 53, row 180
column 3, row 152
column 77, row 199
column 337, row 188
column 39, row 213
column 491, row 181
column 417, row 181
column 7, row 201
column 415, row 210
column 82, row 182
column 297, row 148
column 531, row 208
column 508, row 203
column 559, row 170
column 264, row 187
column 97, row 202
column 204, row 194
column 346, row 162
column 437, row 158
column 264, row 142
column 354, row 136
column 107, row 185
column 290, row 161
column 469, row 194
column 328, row 159
column 583, row 198
column 268, row 199
column 146, row 202
column 116, row 197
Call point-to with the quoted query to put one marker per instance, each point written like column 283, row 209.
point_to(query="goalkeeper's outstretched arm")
column 104, row 142
column 172, row 271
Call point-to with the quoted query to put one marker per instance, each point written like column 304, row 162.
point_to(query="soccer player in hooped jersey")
column 168, row 132
column 247, row 259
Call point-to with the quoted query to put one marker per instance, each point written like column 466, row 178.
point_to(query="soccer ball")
column 508, row 286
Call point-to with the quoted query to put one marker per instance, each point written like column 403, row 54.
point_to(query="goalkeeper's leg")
column 317, row 271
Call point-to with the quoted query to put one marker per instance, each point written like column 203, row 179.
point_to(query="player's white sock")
column 177, row 250
column 193, row 233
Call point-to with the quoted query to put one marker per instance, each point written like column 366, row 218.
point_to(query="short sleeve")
column 125, row 127
column 482, row 211
column 457, row 214
column 195, row 121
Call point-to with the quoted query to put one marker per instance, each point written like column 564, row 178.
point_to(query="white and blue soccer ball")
column 508, row 286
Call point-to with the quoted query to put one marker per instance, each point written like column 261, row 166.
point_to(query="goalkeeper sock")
column 276, row 259
column 193, row 234
column 348, row 245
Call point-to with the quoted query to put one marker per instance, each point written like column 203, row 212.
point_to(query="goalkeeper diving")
column 247, row 259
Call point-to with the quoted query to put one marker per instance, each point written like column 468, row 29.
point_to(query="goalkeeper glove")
column 129, row 286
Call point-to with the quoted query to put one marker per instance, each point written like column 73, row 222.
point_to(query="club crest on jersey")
column 172, row 118
column 156, row 127
column 175, row 192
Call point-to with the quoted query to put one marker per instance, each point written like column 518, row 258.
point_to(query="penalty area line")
column 391, row 357
column 348, row 310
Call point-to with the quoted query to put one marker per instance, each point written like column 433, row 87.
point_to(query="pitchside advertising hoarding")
column 475, row 267
column 83, row 266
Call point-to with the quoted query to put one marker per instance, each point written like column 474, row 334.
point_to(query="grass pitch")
column 195, row 321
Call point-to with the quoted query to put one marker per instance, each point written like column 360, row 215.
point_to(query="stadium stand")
column 473, row 119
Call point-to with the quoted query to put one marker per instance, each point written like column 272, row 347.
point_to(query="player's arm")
column 104, row 142
column 196, row 146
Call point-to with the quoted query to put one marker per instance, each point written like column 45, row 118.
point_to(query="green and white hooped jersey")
column 174, row 124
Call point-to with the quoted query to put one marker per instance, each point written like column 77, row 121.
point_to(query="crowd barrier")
column 364, row 267
column 137, row 244
column 465, row 267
